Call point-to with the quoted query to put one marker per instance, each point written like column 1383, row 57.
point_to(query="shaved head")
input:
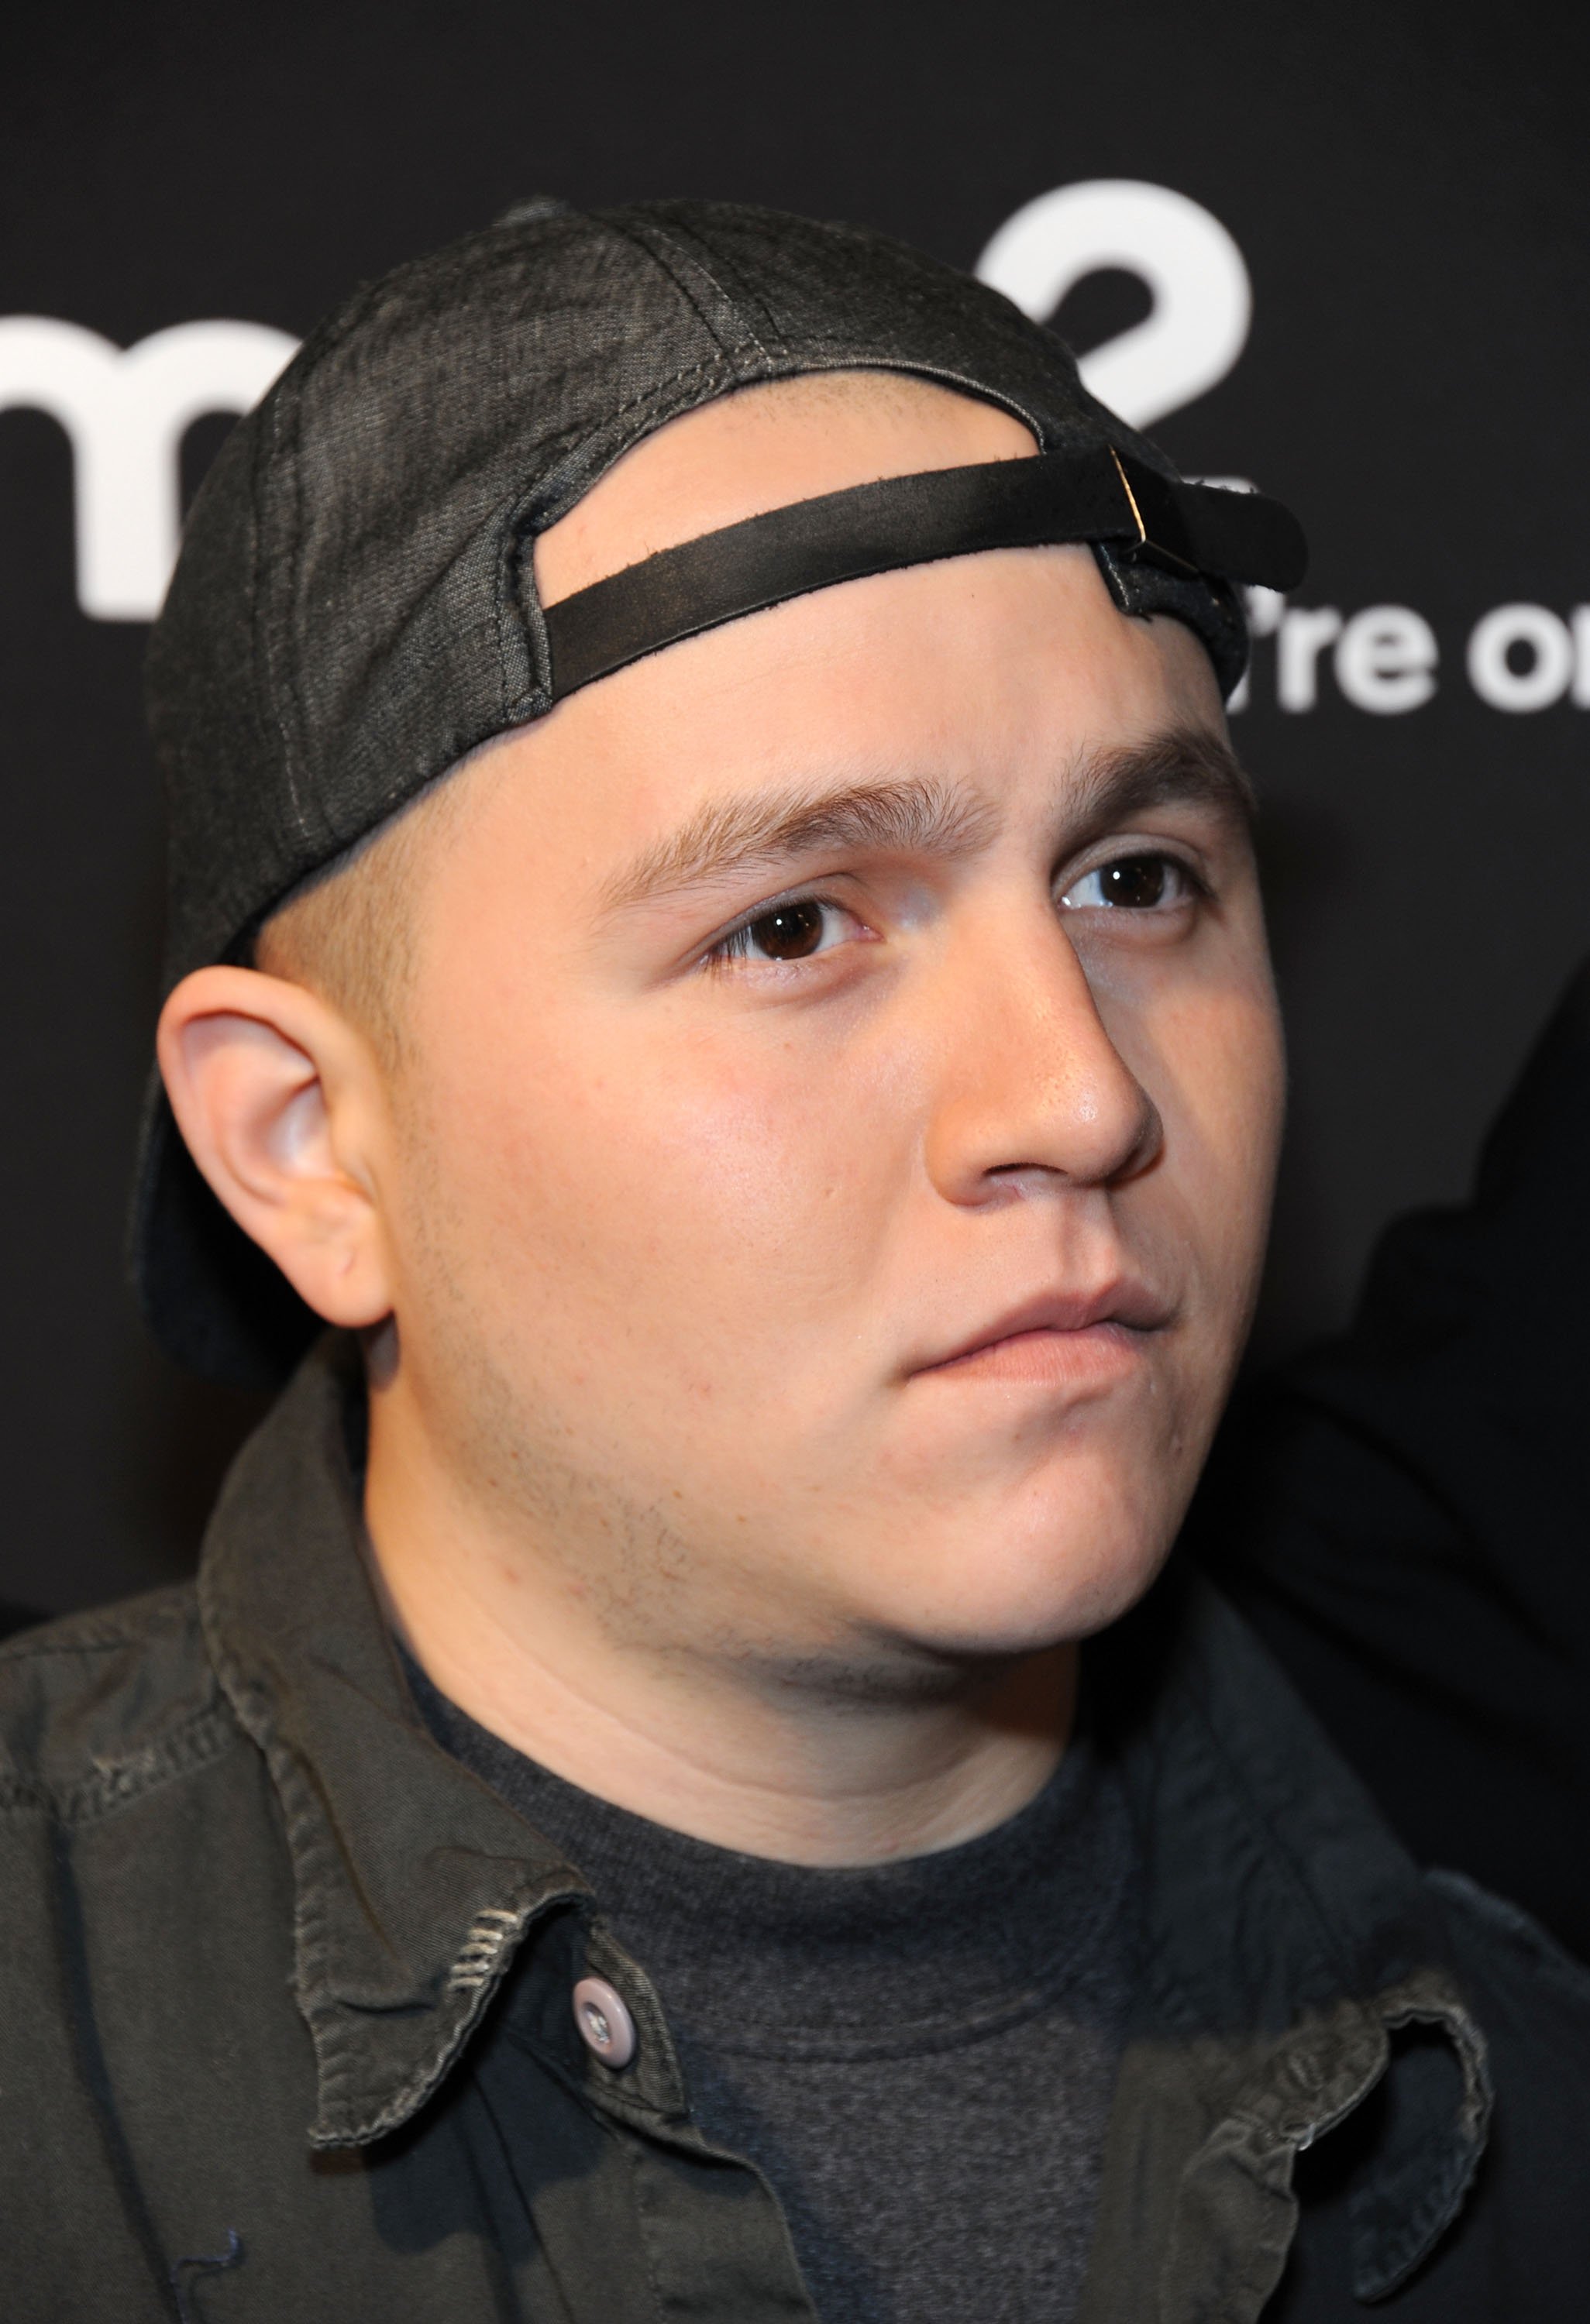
column 348, row 932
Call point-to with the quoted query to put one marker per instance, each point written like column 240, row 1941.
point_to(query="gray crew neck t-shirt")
column 920, row 2057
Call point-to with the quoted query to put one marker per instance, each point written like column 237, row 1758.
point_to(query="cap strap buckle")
column 1162, row 535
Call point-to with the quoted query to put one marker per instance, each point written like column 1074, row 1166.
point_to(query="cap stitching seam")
column 687, row 293
column 265, row 654
column 736, row 302
column 288, row 693
column 284, row 694
column 747, row 296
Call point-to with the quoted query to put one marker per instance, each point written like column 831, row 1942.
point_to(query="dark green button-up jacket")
column 285, row 2022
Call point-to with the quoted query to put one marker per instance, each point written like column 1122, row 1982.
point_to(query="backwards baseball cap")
column 355, row 606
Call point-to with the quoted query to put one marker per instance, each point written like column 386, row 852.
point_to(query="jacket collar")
column 1287, row 1936
column 415, row 1884
column 1288, row 1941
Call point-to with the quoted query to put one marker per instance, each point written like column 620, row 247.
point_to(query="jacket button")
column 605, row 2025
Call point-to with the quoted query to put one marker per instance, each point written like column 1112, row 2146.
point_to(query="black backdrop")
column 1404, row 183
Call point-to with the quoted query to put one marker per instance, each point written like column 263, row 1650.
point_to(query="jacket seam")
column 176, row 1613
column 117, row 1784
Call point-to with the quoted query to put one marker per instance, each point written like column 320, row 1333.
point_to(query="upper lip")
column 1122, row 1300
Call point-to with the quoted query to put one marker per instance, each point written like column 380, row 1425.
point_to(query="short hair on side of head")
column 347, row 932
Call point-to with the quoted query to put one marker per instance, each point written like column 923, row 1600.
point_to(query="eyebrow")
column 921, row 815
column 910, row 816
column 1186, row 766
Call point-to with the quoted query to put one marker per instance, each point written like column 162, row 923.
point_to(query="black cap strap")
column 1051, row 498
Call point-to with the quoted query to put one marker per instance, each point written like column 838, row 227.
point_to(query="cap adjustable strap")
column 1053, row 497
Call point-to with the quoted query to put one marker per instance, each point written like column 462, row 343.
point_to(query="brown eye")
column 786, row 933
column 791, row 933
column 1137, row 881
column 1133, row 883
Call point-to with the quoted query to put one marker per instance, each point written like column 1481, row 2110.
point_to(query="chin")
column 989, row 1594
column 1035, row 1526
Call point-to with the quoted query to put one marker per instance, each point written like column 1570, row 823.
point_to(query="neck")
column 830, row 1754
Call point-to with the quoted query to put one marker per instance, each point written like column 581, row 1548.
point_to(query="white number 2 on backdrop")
column 1194, row 272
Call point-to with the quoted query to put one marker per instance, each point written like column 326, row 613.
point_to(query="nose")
column 1032, row 1090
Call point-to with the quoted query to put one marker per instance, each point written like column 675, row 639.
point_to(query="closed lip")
column 1126, row 1302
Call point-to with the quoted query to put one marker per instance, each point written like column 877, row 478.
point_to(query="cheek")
column 673, row 1196
column 1222, row 1105
column 1214, row 1067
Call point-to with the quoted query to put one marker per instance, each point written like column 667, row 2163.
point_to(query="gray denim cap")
column 355, row 608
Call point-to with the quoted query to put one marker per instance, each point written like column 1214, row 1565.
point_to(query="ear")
column 281, row 1104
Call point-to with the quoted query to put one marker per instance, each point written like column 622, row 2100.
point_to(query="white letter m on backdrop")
column 125, row 411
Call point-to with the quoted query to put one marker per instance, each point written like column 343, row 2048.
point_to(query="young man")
column 715, row 941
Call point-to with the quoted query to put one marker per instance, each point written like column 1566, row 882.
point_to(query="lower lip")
column 1093, row 1357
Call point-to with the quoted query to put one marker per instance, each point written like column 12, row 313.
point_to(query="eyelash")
column 736, row 946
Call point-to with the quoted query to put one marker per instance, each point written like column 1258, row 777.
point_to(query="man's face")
column 833, row 1156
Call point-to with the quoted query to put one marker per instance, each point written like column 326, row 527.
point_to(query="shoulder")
column 97, row 1709
column 1528, row 2238
column 1499, row 1941
column 1530, row 1997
